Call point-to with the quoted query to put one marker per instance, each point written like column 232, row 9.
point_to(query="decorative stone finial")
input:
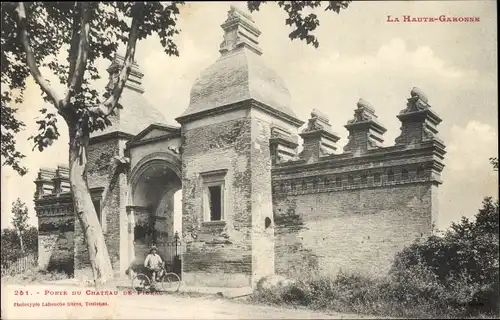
column 419, row 121
column 364, row 112
column 239, row 31
column 416, row 92
column 134, row 80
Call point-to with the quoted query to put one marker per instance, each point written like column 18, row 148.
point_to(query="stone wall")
column 55, row 242
column 354, row 211
column 350, row 228
column 54, row 208
column 218, row 253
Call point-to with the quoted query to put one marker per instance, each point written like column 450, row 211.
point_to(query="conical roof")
column 137, row 112
column 240, row 73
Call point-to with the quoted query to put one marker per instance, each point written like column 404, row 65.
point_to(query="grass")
column 384, row 297
column 33, row 275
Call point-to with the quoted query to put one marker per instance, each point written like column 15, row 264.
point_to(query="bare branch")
column 73, row 50
column 107, row 107
column 81, row 59
column 34, row 70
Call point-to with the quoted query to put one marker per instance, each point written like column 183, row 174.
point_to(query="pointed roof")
column 137, row 112
column 239, row 74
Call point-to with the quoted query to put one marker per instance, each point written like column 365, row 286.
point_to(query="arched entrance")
column 155, row 210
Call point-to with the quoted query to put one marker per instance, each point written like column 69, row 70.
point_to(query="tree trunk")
column 21, row 241
column 85, row 210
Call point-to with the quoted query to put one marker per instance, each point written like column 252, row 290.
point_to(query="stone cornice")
column 431, row 150
column 287, row 190
column 248, row 103
column 131, row 145
column 111, row 135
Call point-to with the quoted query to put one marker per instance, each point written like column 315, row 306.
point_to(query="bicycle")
column 169, row 282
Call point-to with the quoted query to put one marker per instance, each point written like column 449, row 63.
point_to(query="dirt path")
column 135, row 306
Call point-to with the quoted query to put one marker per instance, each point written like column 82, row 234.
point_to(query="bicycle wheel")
column 141, row 282
column 170, row 282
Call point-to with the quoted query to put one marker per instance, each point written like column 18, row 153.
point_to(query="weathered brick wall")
column 218, row 253
column 261, row 197
column 55, row 243
column 352, row 228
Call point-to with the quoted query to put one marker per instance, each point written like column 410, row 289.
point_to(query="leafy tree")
column 11, row 244
column 465, row 258
column 20, row 219
column 34, row 35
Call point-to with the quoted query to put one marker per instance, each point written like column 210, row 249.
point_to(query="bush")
column 463, row 263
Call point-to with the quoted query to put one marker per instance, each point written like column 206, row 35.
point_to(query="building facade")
column 252, row 204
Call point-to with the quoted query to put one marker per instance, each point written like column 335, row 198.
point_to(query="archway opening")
column 157, row 212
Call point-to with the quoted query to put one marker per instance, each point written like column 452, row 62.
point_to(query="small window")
column 364, row 179
column 404, row 174
column 315, row 184
column 293, row 186
column 267, row 222
column 304, row 185
column 215, row 202
column 350, row 179
column 282, row 187
column 97, row 206
column 326, row 182
column 390, row 176
column 376, row 178
column 338, row 182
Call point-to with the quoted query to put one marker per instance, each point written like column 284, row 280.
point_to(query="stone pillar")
column 419, row 121
column 319, row 140
column 130, row 235
column 365, row 132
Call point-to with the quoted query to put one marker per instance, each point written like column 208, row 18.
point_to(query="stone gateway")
column 252, row 204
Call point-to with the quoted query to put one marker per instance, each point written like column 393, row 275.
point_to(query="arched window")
column 376, row 178
column 338, row 182
column 404, row 174
column 390, row 176
column 364, row 179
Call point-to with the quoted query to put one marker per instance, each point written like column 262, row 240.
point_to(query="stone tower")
column 107, row 181
column 235, row 105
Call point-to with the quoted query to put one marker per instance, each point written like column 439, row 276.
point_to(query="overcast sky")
column 361, row 55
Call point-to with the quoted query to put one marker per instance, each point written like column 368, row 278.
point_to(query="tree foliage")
column 494, row 163
column 20, row 216
column 303, row 24
column 11, row 244
column 466, row 258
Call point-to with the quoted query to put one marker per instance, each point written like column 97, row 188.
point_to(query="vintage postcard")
column 249, row 160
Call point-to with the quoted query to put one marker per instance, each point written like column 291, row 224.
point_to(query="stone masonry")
column 252, row 204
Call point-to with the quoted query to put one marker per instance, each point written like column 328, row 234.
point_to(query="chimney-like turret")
column 319, row 139
column 365, row 132
column 419, row 122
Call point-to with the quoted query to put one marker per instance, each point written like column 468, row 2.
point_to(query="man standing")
column 153, row 262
